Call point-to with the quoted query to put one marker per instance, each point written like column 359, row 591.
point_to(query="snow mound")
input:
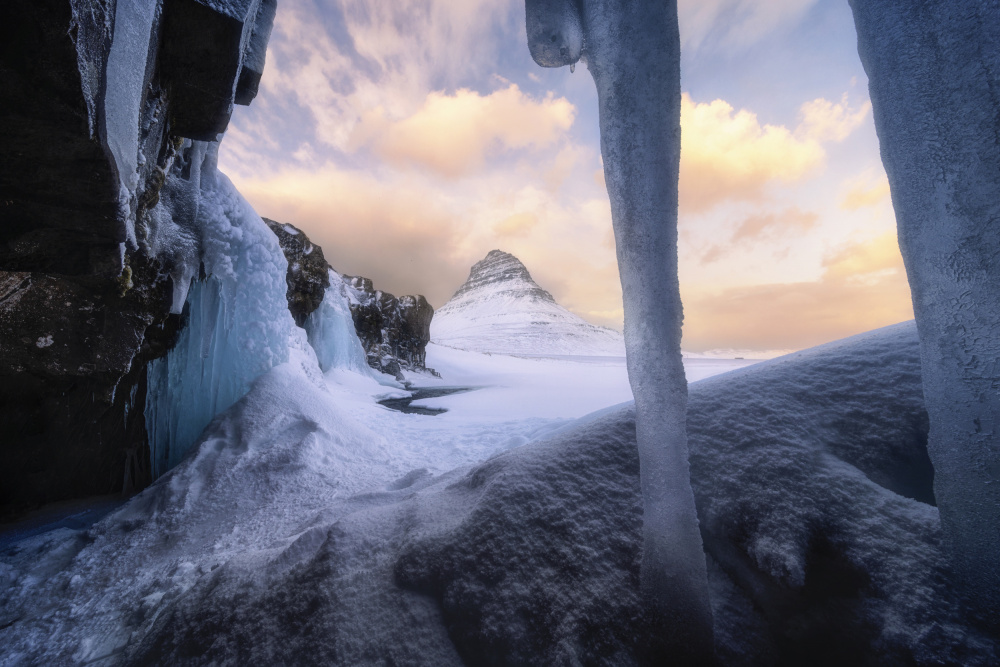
column 501, row 310
column 260, row 548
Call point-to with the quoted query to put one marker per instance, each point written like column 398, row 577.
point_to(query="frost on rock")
column 633, row 53
column 331, row 331
column 932, row 69
column 238, row 324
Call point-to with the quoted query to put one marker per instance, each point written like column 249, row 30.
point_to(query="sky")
column 411, row 137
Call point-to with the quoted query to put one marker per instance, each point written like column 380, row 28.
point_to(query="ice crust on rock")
column 500, row 309
column 932, row 69
column 238, row 323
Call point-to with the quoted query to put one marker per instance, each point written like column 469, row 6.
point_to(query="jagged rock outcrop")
column 394, row 332
column 308, row 271
column 96, row 100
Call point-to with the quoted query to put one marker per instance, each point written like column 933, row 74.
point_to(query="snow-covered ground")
column 301, row 444
column 313, row 525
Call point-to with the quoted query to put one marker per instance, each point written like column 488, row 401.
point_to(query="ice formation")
column 932, row 69
column 238, row 324
column 633, row 53
column 331, row 331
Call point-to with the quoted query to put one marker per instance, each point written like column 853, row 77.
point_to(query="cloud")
column 867, row 190
column 454, row 134
column 728, row 154
column 825, row 121
column 863, row 287
column 518, row 224
column 733, row 25
column 776, row 226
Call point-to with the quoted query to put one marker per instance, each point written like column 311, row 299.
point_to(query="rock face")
column 308, row 270
column 97, row 97
column 501, row 309
column 394, row 332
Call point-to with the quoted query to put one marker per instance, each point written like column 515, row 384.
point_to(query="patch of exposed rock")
column 308, row 271
column 394, row 332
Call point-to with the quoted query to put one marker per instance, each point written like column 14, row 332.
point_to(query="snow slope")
column 311, row 525
column 501, row 310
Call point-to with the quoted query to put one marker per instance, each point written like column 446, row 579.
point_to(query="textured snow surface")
column 312, row 526
column 501, row 310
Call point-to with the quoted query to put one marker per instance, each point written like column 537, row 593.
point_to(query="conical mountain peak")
column 501, row 271
column 501, row 309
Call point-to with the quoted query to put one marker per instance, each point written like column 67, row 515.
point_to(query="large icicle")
column 633, row 52
column 933, row 69
column 238, row 321
column 332, row 334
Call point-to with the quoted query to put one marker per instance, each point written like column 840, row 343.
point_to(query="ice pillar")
column 934, row 79
column 632, row 50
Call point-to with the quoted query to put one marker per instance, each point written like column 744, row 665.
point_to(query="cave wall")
column 96, row 100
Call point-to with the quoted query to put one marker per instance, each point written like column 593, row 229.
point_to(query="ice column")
column 933, row 69
column 633, row 52
column 238, row 321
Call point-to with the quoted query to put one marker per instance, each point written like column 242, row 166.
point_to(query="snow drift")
column 259, row 549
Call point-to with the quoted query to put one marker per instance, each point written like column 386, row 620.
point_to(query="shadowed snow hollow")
column 501, row 310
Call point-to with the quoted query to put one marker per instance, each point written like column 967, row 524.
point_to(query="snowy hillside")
column 500, row 309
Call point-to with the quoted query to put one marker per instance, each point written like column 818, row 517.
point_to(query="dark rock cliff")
column 96, row 98
column 393, row 332
column 308, row 271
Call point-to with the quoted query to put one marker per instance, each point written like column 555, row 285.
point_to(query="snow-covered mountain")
column 500, row 309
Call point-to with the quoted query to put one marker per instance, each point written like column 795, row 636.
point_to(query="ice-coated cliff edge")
column 98, row 98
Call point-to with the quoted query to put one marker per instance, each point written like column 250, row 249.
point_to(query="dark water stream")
column 403, row 404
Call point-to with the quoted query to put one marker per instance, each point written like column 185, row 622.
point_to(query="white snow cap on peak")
column 501, row 309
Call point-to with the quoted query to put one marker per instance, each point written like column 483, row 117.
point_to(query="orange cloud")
column 518, row 224
column 863, row 287
column 454, row 134
column 774, row 226
column 728, row 154
column 862, row 192
column 824, row 120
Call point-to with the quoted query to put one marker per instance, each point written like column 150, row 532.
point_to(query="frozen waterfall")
column 332, row 334
column 238, row 324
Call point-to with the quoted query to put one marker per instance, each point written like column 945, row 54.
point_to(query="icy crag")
column 237, row 323
column 96, row 99
column 394, row 332
column 532, row 556
column 501, row 309
column 391, row 333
